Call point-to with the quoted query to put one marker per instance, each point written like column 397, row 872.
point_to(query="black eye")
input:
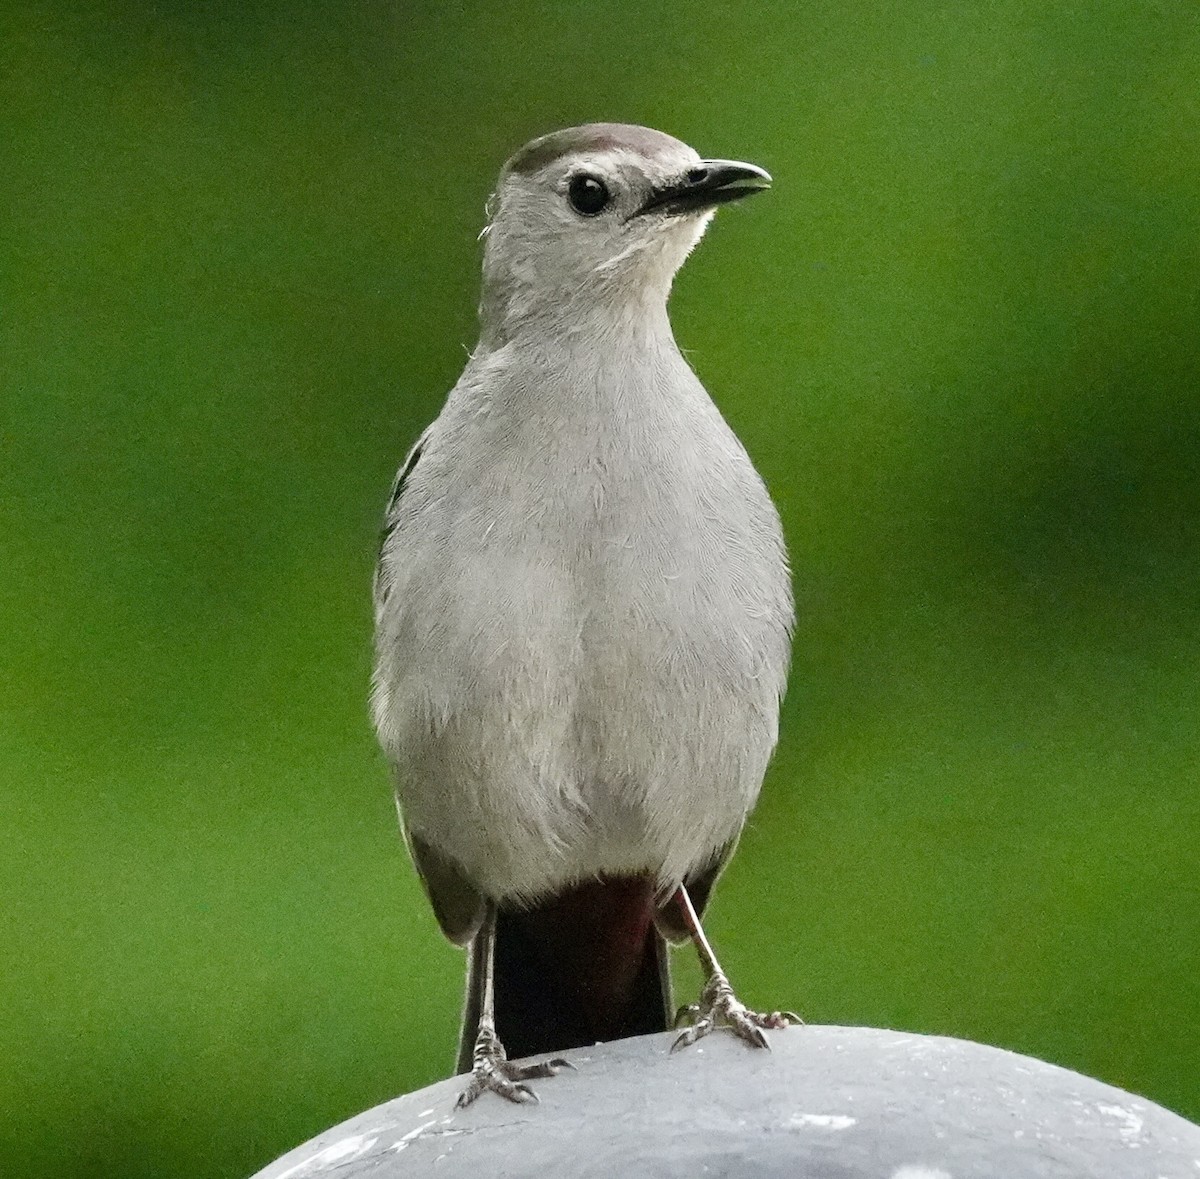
column 588, row 194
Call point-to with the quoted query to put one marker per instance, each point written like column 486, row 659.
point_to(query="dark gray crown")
column 644, row 141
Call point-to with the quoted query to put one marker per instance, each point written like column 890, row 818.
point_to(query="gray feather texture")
column 583, row 608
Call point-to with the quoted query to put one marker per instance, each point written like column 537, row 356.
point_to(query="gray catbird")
column 583, row 616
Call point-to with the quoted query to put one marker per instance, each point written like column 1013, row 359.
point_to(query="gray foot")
column 492, row 1072
column 719, row 1008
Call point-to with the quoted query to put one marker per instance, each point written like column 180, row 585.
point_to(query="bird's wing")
column 457, row 903
column 391, row 519
column 699, row 885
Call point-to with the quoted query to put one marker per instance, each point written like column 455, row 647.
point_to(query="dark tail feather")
column 584, row 965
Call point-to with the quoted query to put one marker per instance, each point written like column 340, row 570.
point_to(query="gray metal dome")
column 827, row 1102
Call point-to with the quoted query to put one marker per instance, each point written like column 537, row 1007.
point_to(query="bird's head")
column 596, row 220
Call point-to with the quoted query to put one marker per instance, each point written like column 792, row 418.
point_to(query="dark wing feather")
column 391, row 519
column 457, row 904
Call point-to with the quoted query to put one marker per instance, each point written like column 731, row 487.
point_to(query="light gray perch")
column 827, row 1103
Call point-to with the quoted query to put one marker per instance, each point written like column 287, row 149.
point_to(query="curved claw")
column 776, row 1019
column 545, row 1068
column 690, row 1035
column 757, row 1037
column 684, row 1039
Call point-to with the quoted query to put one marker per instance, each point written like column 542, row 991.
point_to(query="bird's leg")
column 719, row 1006
column 491, row 1069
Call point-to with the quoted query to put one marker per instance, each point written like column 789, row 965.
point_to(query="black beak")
column 708, row 184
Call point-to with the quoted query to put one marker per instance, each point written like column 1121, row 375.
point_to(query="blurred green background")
column 960, row 338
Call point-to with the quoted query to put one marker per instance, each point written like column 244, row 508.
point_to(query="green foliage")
column 959, row 338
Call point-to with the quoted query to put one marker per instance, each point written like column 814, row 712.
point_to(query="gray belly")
column 552, row 720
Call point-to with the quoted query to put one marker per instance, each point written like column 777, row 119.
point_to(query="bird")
column 583, row 618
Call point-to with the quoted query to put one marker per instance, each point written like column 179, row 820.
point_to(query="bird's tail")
column 584, row 965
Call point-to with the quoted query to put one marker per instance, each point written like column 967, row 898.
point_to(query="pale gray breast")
column 630, row 530
column 598, row 602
